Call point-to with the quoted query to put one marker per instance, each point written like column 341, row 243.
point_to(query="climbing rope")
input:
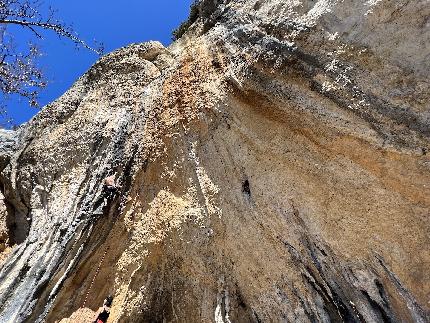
column 95, row 276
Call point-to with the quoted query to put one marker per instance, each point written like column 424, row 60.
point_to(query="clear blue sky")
column 114, row 23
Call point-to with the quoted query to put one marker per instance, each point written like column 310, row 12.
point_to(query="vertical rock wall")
column 273, row 167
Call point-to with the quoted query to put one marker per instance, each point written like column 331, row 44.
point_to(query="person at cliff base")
column 103, row 312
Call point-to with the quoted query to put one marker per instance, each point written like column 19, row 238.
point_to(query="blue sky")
column 114, row 23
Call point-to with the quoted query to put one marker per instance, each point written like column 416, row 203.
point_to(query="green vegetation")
column 183, row 27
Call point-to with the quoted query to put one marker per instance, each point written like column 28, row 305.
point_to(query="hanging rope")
column 95, row 276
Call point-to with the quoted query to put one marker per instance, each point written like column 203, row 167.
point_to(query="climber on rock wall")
column 110, row 189
column 103, row 312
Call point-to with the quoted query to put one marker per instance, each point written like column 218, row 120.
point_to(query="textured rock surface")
column 7, row 219
column 273, row 164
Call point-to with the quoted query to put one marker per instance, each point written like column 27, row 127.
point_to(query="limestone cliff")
column 273, row 165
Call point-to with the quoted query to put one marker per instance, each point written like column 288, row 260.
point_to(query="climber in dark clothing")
column 110, row 189
column 103, row 312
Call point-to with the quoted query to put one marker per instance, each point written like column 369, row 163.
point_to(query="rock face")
column 273, row 165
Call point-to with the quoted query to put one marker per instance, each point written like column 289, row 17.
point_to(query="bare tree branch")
column 19, row 73
column 59, row 29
